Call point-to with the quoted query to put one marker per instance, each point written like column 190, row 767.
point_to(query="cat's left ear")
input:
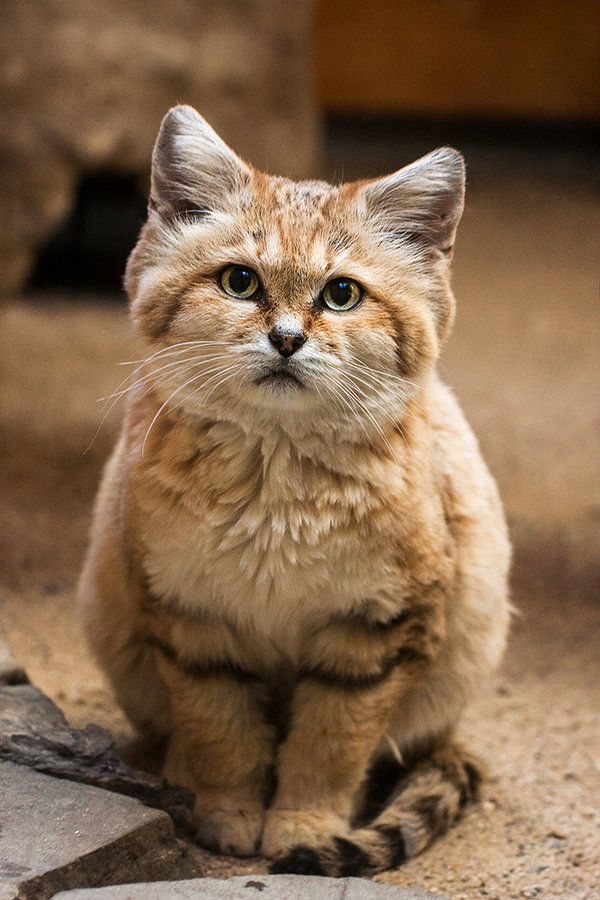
column 421, row 203
column 193, row 170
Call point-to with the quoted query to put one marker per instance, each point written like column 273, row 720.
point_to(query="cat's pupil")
column 240, row 280
column 340, row 292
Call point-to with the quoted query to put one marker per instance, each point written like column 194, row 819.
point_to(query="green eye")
column 240, row 282
column 341, row 294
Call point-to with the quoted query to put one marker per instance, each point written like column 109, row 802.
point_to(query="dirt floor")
column 524, row 360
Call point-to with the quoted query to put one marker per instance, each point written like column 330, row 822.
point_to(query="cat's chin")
column 280, row 380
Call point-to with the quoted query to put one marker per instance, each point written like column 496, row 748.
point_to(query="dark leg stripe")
column 344, row 682
column 414, row 611
column 465, row 777
column 407, row 655
column 394, row 841
column 433, row 812
column 404, row 656
column 352, row 859
column 473, row 780
column 371, row 626
column 225, row 667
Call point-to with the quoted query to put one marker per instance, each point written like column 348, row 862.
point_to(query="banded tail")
column 429, row 798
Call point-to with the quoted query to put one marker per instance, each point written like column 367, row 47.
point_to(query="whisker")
column 371, row 418
column 405, row 395
column 218, row 372
column 169, row 347
column 171, row 350
column 385, row 374
column 177, row 365
column 118, row 394
column 166, row 403
column 351, row 404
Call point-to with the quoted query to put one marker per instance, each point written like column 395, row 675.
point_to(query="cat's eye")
column 240, row 282
column 341, row 294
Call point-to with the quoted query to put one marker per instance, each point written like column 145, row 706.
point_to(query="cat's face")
column 258, row 295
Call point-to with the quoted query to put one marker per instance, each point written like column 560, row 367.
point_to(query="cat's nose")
column 287, row 340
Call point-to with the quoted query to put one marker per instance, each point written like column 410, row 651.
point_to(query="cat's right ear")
column 193, row 171
column 421, row 203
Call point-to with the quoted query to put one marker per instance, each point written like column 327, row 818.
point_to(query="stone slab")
column 57, row 835
column 10, row 670
column 248, row 887
column 34, row 732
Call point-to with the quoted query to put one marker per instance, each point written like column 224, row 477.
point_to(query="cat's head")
column 286, row 300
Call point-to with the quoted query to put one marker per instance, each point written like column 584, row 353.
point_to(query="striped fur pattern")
column 298, row 563
column 429, row 797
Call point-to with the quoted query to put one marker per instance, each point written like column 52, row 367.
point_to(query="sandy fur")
column 288, row 582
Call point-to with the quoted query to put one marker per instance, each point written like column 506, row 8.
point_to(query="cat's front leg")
column 221, row 747
column 336, row 729
column 354, row 674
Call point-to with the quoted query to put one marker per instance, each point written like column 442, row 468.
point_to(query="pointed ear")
column 421, row 203
column 193, row 170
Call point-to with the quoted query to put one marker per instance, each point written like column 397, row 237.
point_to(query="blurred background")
column 337, row 89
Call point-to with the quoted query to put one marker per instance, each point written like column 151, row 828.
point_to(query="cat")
column 298, row 560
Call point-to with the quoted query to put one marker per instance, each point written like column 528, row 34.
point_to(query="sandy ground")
column 524, row 360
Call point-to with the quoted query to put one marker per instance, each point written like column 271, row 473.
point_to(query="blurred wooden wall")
column 518, row 59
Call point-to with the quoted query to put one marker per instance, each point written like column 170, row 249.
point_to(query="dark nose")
column 286, row 340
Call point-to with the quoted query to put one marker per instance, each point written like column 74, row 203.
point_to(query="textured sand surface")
column 524, row 360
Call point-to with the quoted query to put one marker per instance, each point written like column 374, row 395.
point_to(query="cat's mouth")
column 279, row 377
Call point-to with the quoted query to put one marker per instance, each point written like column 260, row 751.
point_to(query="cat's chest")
column 262, row 535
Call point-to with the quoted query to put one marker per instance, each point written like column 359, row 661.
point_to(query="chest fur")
column 272, row 539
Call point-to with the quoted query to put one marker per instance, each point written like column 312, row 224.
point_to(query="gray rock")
column 247, row 887
column 34, row 733
column 10, row 670
column 58, row 835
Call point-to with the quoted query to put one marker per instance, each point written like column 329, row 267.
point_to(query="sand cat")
column 298, row 563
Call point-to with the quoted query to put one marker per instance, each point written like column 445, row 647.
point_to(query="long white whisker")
column 170, row 347
column 378, row 376
column 394, row 420
column 178, row 365
column 168, row 400
column 351, row 403
column 118, row 394
column 171, row 350
column 389, row 375
column 371, row 417
column 218, row 370
column 405, row 395
column 223, row 380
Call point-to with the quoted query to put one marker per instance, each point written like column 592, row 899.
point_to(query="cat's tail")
column 428, row 801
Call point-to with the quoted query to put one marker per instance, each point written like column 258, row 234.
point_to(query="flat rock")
column 34, row 733
column 58, row 835
column 246, row 887
column 10, row 670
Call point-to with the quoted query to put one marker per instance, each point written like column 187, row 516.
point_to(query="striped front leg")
column 221, row 745
column 353, row 675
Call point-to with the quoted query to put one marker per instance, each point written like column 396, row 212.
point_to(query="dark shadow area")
column 90, row 249
column 358, row 146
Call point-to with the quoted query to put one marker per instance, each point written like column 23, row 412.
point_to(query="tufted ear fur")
column 421, row 203
column 193, row 170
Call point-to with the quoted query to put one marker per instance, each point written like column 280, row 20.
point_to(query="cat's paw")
column 289, row 828
column 232, row 831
